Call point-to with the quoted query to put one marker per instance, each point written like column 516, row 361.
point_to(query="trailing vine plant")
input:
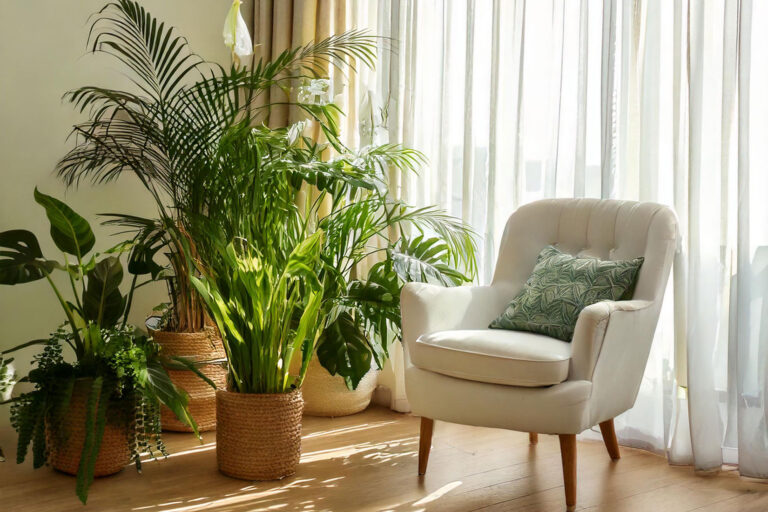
column 118, row 370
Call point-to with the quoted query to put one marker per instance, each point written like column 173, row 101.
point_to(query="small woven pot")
column 328, row 395
column 66, row 440
column 198, row 346
column 258, row 435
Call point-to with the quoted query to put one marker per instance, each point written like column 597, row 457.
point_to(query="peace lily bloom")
column 316, row 92
column 236, row 35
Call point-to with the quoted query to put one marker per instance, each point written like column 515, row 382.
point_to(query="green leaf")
column 146, row 245
column 425, row 260
column 95, row 420
column 343, row 350
column 24, row 345
column 70, row 232
column 21, row 260
column 102, row 301
column 160, row 386
column 182, row 363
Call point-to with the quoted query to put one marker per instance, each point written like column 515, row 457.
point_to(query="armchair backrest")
column 603, row 228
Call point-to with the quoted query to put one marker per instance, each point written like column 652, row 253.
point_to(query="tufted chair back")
column 605, row 229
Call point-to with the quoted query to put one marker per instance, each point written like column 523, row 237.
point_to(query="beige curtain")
column 278, row 25
column 281, row 24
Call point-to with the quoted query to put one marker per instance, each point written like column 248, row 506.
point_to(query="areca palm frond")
column 192, row 132
column 168, row 131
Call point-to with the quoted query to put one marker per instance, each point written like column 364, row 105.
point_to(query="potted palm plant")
column 193, row 125
column 166, row 133
column 93, row 416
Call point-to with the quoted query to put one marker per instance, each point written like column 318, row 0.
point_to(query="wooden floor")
column 368, row 462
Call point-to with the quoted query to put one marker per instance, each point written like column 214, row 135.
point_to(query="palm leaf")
column 425, row 260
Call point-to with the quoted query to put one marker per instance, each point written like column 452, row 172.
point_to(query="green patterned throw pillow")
column 561, row 286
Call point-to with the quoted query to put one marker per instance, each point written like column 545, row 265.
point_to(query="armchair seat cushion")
column 512, row 358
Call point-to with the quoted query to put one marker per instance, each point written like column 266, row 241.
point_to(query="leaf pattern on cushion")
column 561, row 286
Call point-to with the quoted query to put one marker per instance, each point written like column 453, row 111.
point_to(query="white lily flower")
column 236, row 35
column 316, row 92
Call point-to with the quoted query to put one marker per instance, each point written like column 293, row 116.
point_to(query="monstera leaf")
column 149, row 240
column 141, row 259
column 21, row 260
column 102, row 301
column 377, row 305
column 70, row 232
column 425, row 260
column 343, row 350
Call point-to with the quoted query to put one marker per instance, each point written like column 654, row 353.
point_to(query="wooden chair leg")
column 568, row 456
column 425, row 443
column 609, row 437
column 533, row 438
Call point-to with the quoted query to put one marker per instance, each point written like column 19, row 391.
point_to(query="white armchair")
column 458, row 370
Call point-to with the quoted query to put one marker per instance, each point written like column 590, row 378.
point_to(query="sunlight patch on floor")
column 202, row 448
column 348, row 430
column 438, row 493
column 232, row 500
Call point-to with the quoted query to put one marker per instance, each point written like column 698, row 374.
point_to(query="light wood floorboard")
column 368, row 462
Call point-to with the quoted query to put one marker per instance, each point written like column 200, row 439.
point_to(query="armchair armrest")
column 605, row 323
column 429, row 308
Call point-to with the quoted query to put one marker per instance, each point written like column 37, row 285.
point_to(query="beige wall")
column 42, row 55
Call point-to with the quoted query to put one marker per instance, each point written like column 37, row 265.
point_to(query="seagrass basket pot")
column 328, row 395
column 258, row 435
column 65, row 440
column 205, row 345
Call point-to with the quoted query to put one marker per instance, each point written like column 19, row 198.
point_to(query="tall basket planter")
column 328, row 396
column 258, row 435
column 205, row 345
column 66, row 438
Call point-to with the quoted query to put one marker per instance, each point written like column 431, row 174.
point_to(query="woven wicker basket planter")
column 258, row 435
column 327, row 395
column 197, row 346
column 66, row 443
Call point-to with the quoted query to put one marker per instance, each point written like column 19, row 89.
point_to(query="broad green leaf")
column 145, row 247
column 102, row 301
column 158, row 384
column 70, row 232
column 183, row 363
column 343, row 350
column 21, row 260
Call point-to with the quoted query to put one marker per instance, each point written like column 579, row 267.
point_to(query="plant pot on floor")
column 204, row 345
column 66, row 438
column 258, row 435
column 328, row 395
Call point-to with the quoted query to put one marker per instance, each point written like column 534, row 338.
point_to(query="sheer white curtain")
column 514, row 101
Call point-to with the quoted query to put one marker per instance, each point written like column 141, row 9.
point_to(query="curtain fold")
column 278, row 25
column 513, row 101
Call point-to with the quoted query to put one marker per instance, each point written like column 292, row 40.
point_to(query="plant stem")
column 72, row 281
column 68, row 312
column 129, row 301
